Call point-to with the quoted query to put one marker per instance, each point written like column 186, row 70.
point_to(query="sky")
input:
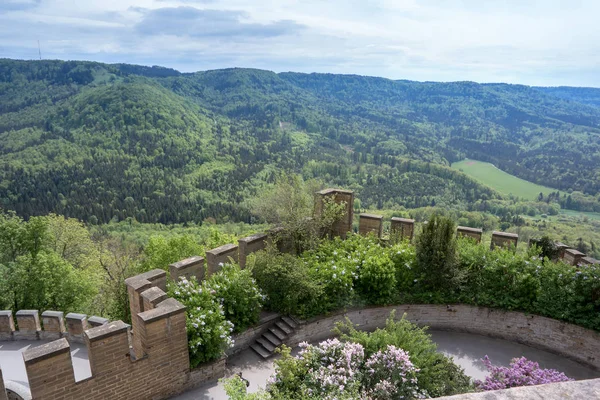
column 533, row 42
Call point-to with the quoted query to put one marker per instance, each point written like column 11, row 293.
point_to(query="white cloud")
column 544, row 42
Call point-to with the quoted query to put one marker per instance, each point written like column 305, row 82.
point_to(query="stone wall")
column 370, row 223
column 504, row 239
column 404, row 228
column 148, row 360
column 567, row 340
column 473, row 233
column 575, row 390
column 339, row 196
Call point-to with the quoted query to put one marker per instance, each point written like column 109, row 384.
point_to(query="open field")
column 503, row 182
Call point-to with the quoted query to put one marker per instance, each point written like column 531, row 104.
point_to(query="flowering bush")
column 437, row 375
column 237, row 291
column 340, row 370
column 209, row 333
column 521, row 372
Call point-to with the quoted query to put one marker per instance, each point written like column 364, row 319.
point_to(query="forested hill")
column 98, row 141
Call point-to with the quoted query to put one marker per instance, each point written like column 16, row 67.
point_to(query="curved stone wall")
column 567, row 340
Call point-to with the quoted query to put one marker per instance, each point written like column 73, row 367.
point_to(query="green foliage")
column 208, row 330
column 290, row 203
column 102, row 142
column 237, row 291
column 287, row 283
column 161, row 251
column 436, row 254
column 34, row 275
column 546, row 248
column 437, row 375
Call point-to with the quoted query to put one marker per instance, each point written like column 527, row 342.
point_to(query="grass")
column 503, row 182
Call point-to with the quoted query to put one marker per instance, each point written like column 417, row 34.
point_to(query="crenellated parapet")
column 148, row 359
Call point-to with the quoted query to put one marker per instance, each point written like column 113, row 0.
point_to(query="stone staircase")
column 275, row 335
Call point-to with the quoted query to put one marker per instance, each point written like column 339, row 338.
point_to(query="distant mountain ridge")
column 100, row 141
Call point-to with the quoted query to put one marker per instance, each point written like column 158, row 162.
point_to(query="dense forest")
column 104, row 143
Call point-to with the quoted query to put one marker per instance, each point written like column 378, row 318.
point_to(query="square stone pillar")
column 193, row 266
column 370, row 223
column 589, row 261
column 29, row 325
column 339, row 196
column 95, row 321
column 473, row 233
column 7, row 325
column 403, row 228
column 504, row 239
column 572, row 256
column 215, row 258
column 54, row 325
column 76, row 326
column 251, row 244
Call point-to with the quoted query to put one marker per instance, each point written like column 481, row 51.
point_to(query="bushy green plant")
column 238, row 292
column 403, row 256
column 377, row 277
column 436, row 254
column 286, row 282
column 209, row 333
column 437, row 375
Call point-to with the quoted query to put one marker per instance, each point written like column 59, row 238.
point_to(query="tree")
column 289, row 203
column 436, row 250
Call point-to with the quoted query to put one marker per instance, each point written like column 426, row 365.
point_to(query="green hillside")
column 108, row 142
column 499, row 180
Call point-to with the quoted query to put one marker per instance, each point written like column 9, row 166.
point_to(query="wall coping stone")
column 76, row 316
column 505, row 234
column 584, row 389
column 97, row 321
column 469, row 229
column 153, row 294
column 27, row 313
column 329, row 191
column 185, row 262
column 590, row 260
column 574, row 252
column 371, row 216
column 45, row 351
column 222, row 249
column 254, row 238
column 53, row 314
column 164, row 309
column 405, row 220
column 105, row 331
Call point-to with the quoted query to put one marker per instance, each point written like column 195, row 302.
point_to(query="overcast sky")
column 545, row 42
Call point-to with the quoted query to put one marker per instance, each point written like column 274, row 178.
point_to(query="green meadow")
column 503, row 182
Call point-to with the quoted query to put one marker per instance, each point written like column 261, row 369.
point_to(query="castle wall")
column 370, row 223
column 473, row 233
column 404, row 228
column 504, row 239
column 339, row 196
column 215, row 258
column 567, row 340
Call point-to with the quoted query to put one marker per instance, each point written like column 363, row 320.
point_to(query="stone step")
column 266, row 344
column 292, row 324
column 261, row 351
column 284, row 327
column 271, row 338
column 278, row 333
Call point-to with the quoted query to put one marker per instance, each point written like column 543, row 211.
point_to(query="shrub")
column 521, row 372
column 337, row 370
column 238, row 293
column 436, row 254
column 287, row 283
column 209, row 333
column 377, row 277
column 437, row 374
